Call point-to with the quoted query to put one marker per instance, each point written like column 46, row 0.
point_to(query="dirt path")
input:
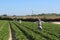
column 56, row 22
column 10, row 35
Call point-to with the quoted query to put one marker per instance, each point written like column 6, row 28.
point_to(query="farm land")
column 28, row 31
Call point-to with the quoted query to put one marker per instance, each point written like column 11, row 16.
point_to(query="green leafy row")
column 46, row 33
column 30, row 33
column 4, row 31
column 17, row 33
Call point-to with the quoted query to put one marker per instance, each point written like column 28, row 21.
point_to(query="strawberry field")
column 28, row 31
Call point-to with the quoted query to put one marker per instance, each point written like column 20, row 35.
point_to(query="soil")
column 10, row 35
column 56, row 22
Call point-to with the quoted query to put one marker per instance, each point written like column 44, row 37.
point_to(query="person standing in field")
column 39, row 24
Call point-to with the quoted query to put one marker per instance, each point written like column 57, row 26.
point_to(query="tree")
column 4, row 15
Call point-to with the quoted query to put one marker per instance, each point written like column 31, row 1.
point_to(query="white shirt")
column 39, row 24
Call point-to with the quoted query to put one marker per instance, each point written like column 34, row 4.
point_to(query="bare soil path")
column 56, row 22
column 10, row 35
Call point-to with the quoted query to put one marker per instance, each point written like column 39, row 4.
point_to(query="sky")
column 25, row 7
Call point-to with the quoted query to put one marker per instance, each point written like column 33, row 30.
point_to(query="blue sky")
column 25, row 7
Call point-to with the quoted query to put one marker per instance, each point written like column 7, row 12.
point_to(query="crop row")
column 17, row 33
column 47, row 34
column 28, row 31
column 4, row 30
